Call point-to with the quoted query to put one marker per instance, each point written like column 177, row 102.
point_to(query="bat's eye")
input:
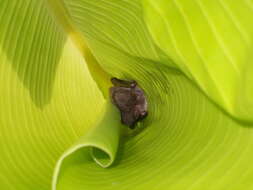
column 133, row 84
column 143, row 114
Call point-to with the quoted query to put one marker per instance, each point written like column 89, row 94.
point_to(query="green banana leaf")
column 58, row 129
column 211, row 42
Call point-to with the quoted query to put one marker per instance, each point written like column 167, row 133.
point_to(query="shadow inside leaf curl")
column 33, row 47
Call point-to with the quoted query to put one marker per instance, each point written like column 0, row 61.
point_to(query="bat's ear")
column 114, row 80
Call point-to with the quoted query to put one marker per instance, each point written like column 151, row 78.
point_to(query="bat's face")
column 130, row 100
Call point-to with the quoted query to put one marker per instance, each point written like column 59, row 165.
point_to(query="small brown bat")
column 130, row 100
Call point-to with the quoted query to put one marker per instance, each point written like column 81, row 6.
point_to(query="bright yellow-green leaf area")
column 58, row 129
